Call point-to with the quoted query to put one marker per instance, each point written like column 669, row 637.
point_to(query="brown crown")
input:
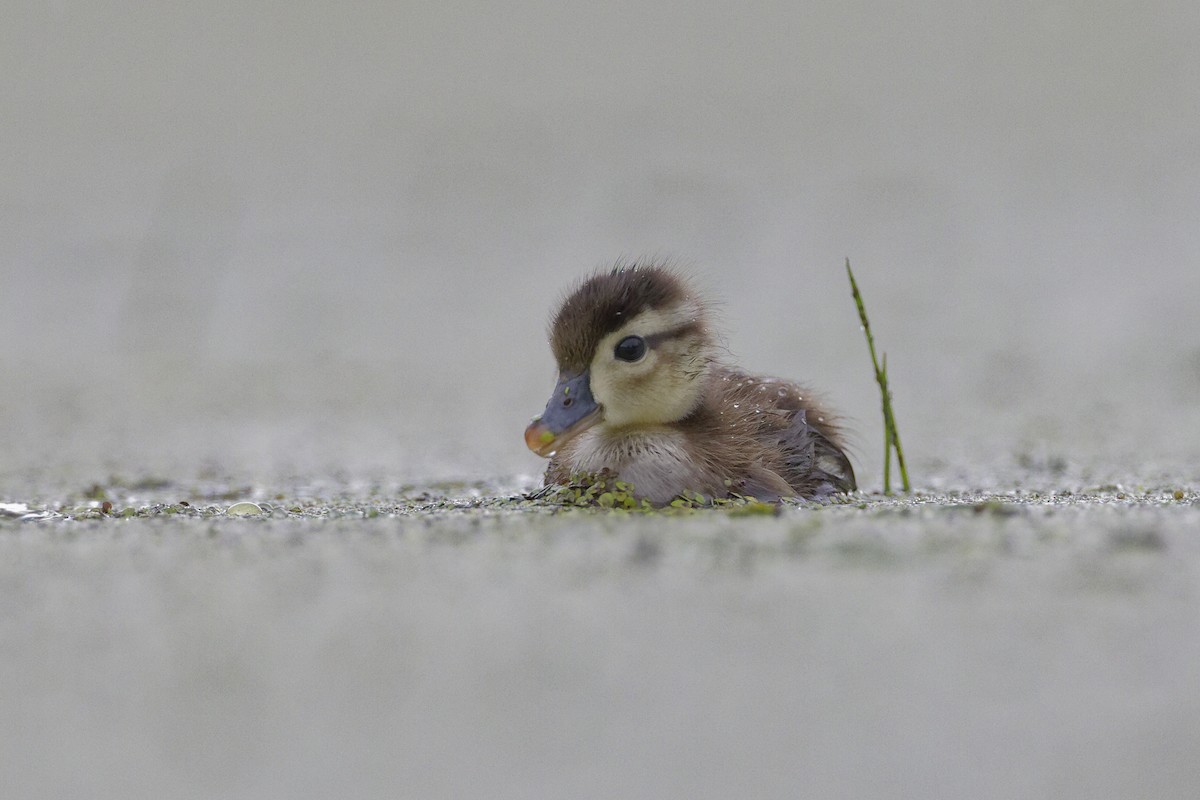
column 605, row 302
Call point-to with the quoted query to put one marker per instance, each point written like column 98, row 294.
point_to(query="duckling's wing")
column 813, row 464
column 804, row 451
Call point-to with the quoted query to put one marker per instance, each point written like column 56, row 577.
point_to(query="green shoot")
column 891, row 435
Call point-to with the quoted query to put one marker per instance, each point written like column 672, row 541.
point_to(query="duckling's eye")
column 631, row 348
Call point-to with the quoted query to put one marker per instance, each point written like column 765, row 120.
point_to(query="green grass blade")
column 891, row 434
column 887, row 427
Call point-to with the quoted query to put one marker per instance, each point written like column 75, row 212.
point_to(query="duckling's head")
column 633, row 347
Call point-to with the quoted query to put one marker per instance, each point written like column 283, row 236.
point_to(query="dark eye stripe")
column 686, row 329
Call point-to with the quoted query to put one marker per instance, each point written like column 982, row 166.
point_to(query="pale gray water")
column 310, row 251
column 934, row 652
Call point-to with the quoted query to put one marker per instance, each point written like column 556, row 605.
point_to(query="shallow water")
column 453, row 645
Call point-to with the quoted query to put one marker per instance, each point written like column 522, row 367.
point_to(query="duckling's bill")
column 570, row 411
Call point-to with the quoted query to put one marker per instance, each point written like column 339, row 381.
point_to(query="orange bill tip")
column 538, row 437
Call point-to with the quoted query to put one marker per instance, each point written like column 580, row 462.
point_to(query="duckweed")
column 603, row 491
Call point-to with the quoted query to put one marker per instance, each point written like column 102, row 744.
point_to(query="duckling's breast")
column 658, row 462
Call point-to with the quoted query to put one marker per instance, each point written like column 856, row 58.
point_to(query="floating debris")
column 24, row 512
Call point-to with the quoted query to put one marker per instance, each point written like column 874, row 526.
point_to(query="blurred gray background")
column 290, row 238
column 279, row 245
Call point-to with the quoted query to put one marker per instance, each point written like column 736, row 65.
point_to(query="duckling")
column 643, row 395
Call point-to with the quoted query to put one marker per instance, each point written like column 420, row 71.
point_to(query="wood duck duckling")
column 643, row 395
